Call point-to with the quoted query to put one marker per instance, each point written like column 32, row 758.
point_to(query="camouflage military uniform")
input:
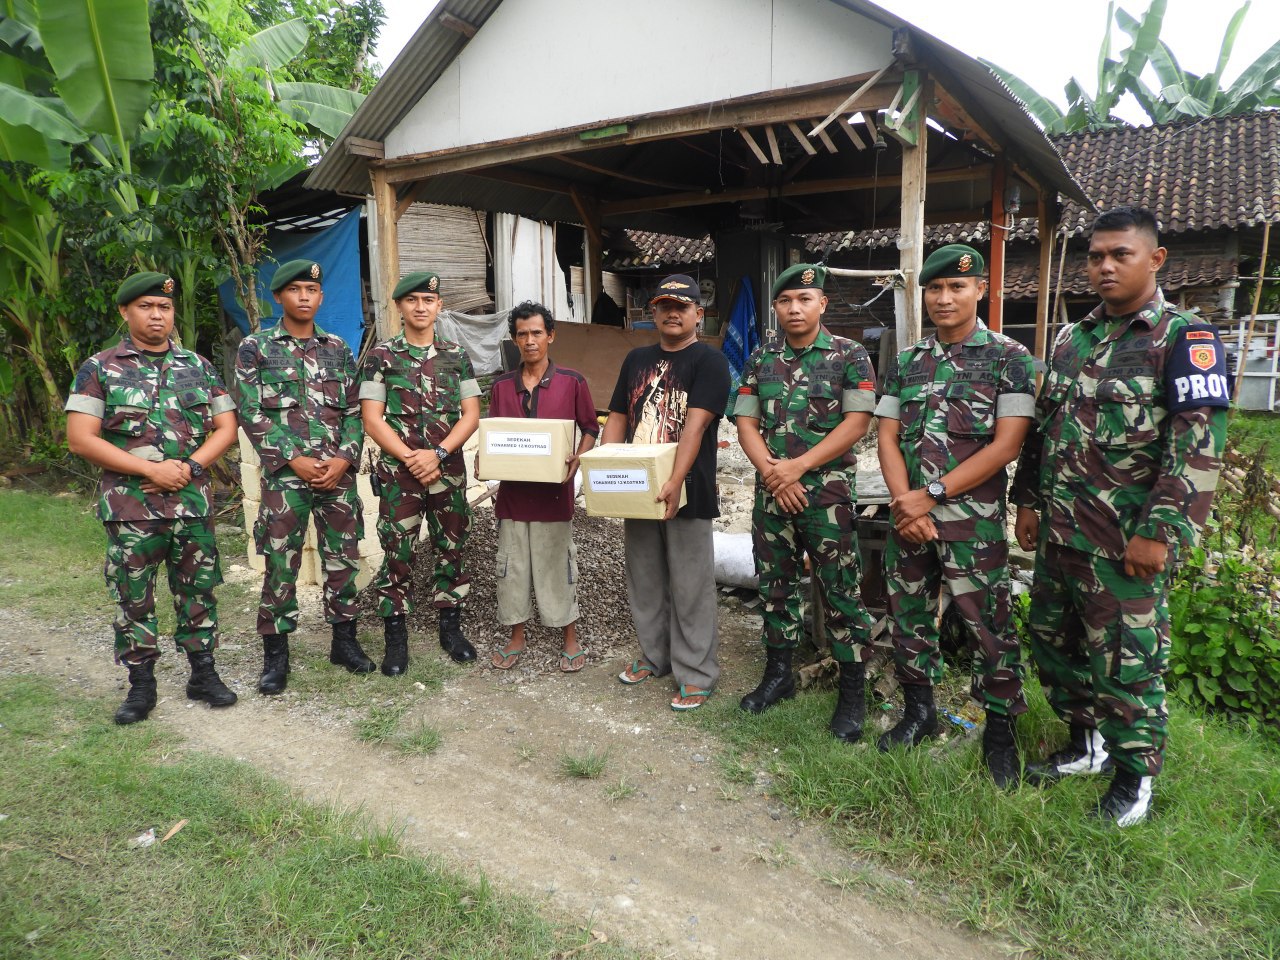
column 1127, row 442
column 948, row 397
column 156, row 408
column 299, row 398
column 423, row 389
column 800, row 396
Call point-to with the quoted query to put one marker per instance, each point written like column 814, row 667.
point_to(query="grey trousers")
column 672, row 585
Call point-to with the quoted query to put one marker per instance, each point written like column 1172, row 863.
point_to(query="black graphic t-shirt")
column 655, row 390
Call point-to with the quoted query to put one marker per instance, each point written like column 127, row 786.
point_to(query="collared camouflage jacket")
column 298, row 397
column 423, row 389
column 801, row 396
column 157, row 409
column 948, row 397
column 1128, row 437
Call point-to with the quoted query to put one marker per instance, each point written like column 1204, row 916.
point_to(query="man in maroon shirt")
column 535, row 533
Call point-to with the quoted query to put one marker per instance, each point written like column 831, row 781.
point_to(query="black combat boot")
column 919, row 718
column 851, row 706
column 452, row 641
column 1127, row 801
column 777, row 683
column 396, row 634
column 345, row 650
column 205, row 684
column 275, row 663
column 1000, row 750
column 141, row 699
column 1086, row 753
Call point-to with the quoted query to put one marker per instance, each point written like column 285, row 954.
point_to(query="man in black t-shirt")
column 674, row 392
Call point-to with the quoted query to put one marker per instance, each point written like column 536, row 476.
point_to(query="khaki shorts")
column 537, row 558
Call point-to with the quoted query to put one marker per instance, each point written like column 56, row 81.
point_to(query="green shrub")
column 1226, row 636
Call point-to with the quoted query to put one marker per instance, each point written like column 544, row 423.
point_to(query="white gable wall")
column 542, row 65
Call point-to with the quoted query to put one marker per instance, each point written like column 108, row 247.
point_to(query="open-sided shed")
column 724, row 116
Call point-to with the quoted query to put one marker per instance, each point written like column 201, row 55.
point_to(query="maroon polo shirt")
column 561, row 394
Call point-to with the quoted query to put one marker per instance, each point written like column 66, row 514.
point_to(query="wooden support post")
column 593, row 262
column 1253, row 316
column 384, row 200
column 1048, row 234
column 999, row 233
column 911, row 253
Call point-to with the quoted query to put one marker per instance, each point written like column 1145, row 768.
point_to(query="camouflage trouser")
column 402, row 505
column 189, row 551
column 280, row 532
column 828, row 535
column 1100, row 640
column 977, row 576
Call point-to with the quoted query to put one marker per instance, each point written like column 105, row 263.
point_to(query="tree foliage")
column 1180, row 93
column 138, row 135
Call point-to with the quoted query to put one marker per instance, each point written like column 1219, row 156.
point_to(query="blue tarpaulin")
column 740, row 337
column 337, row 250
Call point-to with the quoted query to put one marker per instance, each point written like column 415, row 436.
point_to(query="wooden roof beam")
column 805, row 188
column 707, row 118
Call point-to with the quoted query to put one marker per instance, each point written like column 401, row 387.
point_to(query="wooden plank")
column 752, row 111
column 849, row 101
column 457, row 25
column 773, row 144
column 593, row 276
column 360, row 147
column 809, row 148
column 804, row 188
column 911, row 238
column 852, row 134
column 827, row 141
column 410, row 197
column 999, row 235
column 1048, row 237
column 535, row 180
column 751, row 142
column 384, row 198
column 629, row 177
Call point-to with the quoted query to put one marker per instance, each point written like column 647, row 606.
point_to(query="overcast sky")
column 1045, row 42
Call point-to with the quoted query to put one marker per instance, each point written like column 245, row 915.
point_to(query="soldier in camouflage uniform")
column 298, row 404
column 420, row 403
column 954, row 413
column 1116, row 479
column 155, row 417
column 805, row 400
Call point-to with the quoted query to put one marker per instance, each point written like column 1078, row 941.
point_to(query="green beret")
column 424, row 281
column 307, row 270
column 146, row 284
column 953, row 260
column 802, row 276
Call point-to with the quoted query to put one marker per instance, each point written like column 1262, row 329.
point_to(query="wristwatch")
column 197, row 470
column 937, row 489
column 442, row 453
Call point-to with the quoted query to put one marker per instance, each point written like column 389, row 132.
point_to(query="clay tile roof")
column 1207, row 174
column 1178, row 272
column 1221, row 172
column 661, row 249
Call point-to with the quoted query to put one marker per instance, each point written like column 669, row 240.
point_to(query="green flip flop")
column 567, row 661
column 507, row 655
column 628, row 676
column 685, row 694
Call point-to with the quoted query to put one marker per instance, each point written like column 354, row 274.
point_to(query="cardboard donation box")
column 516, row 448
column 622, row 479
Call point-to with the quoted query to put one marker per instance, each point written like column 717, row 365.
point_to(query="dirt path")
column 686, row 866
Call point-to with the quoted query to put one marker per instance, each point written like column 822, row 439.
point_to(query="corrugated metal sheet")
column 434, row 47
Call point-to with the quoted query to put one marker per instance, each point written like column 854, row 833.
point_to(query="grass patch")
column 584, row 766
column 51, row 565
column 381, row 723
column 1249, row 430
column 423, row 739
column 255, row 873
column 1201, row 879
column 622, row 790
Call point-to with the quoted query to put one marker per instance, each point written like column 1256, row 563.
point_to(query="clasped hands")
column 782, row 480
column 167, row 476
column 321, row 474
column 911, row 517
